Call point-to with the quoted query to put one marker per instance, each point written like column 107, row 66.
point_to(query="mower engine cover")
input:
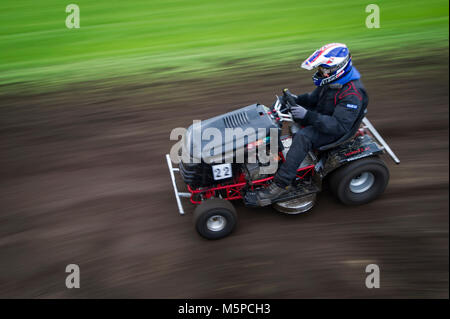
column 216, row 139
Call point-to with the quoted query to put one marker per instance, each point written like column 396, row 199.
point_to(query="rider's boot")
column 267, row 195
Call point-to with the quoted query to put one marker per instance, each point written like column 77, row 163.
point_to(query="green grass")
column 151, row 39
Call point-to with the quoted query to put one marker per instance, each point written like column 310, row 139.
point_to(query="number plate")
column 222, row 171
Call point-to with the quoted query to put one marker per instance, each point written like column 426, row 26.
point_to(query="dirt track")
column 84, row 181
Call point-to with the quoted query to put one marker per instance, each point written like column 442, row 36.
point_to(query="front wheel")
column 360, row 181
column 215, row 218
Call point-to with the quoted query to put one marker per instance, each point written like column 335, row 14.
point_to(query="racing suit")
column 332, row 111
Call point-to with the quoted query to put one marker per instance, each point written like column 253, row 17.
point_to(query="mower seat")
column 347, row 136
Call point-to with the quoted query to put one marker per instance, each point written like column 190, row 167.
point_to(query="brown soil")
column 84, row 181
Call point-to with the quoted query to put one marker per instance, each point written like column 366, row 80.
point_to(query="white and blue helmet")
column 333, row 62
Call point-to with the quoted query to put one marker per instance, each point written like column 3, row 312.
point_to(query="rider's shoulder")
column 350, row 91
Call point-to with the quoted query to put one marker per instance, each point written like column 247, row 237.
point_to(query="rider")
column 327, row 113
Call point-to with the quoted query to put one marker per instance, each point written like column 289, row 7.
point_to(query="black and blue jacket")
column 334, row 108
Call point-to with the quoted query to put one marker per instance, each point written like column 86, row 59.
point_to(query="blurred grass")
column 176, row 39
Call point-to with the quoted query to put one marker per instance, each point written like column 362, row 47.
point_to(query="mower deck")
column 303, row 188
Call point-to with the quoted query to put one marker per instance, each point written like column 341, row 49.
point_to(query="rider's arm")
column 345, row 114
column 308, row 100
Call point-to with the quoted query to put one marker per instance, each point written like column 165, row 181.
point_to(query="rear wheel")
column 215, row 218
column 360, row 181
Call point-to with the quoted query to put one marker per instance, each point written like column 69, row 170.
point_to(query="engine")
column 213, row 143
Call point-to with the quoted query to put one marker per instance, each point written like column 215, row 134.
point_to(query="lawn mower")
column 352, row 165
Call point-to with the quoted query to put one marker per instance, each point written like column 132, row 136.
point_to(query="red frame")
column 233, row 191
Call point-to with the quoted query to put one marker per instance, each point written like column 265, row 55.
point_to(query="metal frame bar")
column 174, row 184
column 233, row 191
column 378, row 137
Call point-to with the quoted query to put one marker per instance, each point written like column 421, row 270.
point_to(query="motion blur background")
column 85, row 118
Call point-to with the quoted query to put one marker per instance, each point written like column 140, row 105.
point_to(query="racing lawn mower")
column 352, row 166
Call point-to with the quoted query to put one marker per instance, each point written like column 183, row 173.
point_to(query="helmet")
column 333, row 62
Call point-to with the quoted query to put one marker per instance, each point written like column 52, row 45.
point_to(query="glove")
column 298, row 112
column 289, row 96
column 292, row 95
